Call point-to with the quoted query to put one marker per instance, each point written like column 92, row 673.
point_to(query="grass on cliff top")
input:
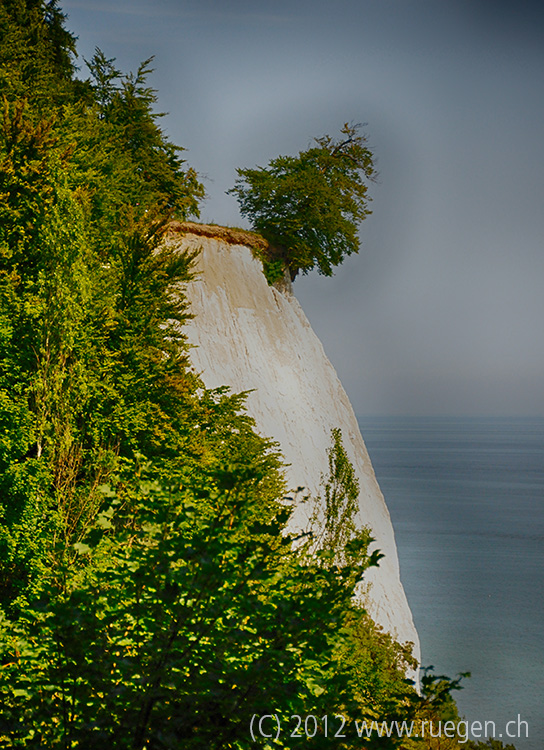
column 274, row 266
column 232, row 235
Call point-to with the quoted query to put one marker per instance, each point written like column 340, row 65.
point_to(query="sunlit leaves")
column 309, row 206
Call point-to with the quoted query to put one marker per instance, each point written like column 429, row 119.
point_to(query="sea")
column 466, row 498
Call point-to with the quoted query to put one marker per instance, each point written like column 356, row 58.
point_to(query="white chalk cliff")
column 248, row 335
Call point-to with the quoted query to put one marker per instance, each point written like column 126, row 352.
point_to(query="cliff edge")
column 251, row 336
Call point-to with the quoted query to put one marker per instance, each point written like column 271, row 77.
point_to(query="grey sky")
column 443, row 310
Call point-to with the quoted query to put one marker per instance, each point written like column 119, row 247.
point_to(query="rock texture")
column 250, row 336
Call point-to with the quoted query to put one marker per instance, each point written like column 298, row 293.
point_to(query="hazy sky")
column 442, row 311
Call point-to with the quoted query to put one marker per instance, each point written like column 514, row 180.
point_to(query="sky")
column 442, row 311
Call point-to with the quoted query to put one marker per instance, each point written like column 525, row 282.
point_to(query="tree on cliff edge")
column 309, row 206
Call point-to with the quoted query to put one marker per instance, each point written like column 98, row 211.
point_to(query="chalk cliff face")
column 248, row 335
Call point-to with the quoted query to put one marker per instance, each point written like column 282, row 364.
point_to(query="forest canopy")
column 151, row 595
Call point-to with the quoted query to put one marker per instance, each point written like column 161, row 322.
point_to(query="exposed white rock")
column 248, row 335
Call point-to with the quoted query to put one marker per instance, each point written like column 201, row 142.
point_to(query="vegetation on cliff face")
column 309, row 206
column 150, row 596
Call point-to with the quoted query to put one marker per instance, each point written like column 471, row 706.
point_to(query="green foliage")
column 374, row 664
column 44, row 288
column 151, row 595
column 93, row 359
column 490, row 744
column 309, row 206
column 437, row 691
column 36, row 54
column 125, row 108
column 273, row 268
column 186, row 612
column 334, row 524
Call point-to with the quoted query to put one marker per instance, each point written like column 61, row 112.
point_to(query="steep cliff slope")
column 248, row 335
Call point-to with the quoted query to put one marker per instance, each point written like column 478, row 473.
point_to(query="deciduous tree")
column 309, row 206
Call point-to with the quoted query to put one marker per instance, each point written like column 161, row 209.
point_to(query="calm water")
column 466, row 497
